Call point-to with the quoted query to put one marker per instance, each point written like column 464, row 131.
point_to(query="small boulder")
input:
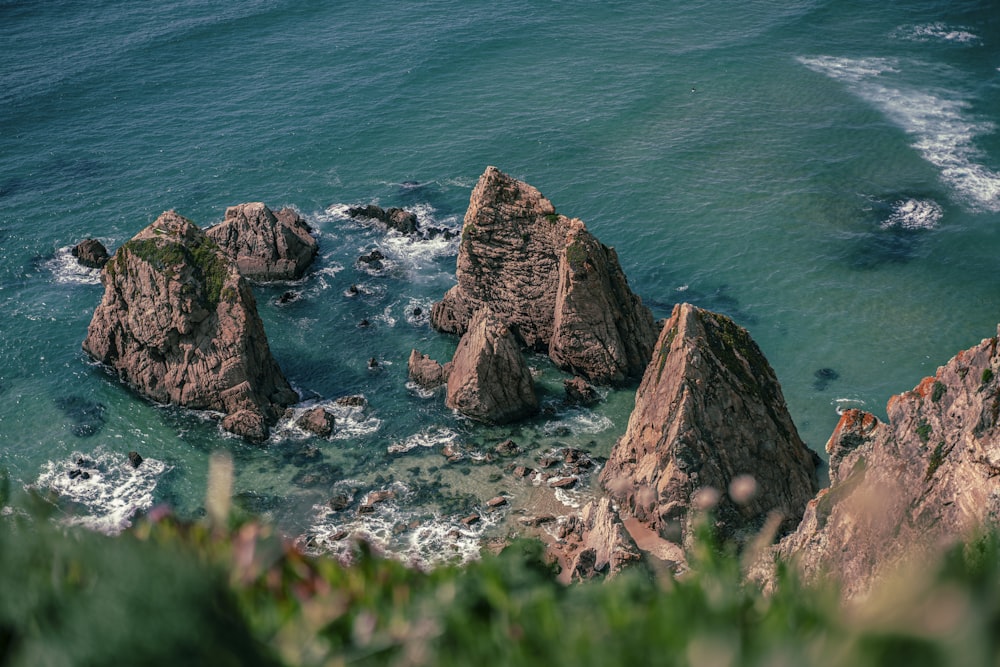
column 91, row 253
column 317, row 421
column 134, row 459
column 580, row 392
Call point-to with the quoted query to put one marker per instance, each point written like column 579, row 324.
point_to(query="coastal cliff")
column 179, row 324
column 898, row 490
column 548, row 278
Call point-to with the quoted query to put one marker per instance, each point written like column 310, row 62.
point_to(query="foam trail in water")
column 914, row 214
column 67, row 270
column 943, row 132
column 105, row 484
column 936, row 32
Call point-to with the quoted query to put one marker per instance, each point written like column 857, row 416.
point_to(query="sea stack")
column 710, row 430
column 179, row 324
column 265, row 245
column 905, row 489
column 545, row 276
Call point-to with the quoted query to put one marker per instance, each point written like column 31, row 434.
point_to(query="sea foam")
column 943, row 130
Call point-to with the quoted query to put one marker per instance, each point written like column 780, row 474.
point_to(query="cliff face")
column 179, row 324
column 265, row 245
column 710, row 428
column 927, row 478
column 548, row 278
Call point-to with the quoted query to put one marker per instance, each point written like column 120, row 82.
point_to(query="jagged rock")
column 489, row 379
column 317, row 421
column 580, row 392
column 899, row 490
column 605, row 546
column 91, row 253
column 179, row 324
column 709, row 409
column 546, row 276
column 426, row 372
column 403, row 221
column 266, row 245
column 134, row 459
column 508, row 448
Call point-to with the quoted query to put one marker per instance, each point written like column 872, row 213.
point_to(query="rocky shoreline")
column 710, row 434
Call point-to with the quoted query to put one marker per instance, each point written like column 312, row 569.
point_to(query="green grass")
column 170, row 592
column 166, row 254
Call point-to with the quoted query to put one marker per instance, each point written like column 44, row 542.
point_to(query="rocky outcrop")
column 600, row 543
column 546, row 276
column 489, row 378
column 91, row 253
column 317, row 421
column 927, row 478
column 710, row 428
column 401, row 220
column 266, row 245
column 179, row 324
column 427, row 372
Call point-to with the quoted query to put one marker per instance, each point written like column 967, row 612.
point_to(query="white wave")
column 105, row 484
column 914, row 214
column 429, row 437
column 407, row 536
column 579, row 422
column 386, row 316
column 349, row 421
column 422, row 392
column 843, row 404
column 418, row 311
column 944, row 133
column 938, row 32
column 68, row 271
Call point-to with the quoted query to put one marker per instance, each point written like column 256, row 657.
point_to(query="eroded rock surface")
column 929, row 477
column 546, row 276
column 427, row 372
column 489, row 379
column 266, row 245
column 710, row 428
column 179, row 324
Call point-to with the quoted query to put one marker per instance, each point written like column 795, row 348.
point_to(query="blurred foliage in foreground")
column 176, row 593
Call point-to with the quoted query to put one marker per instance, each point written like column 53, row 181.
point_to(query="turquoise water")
column 828, row 174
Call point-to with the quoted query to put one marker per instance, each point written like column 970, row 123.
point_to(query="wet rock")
column 498, row 501
column 508, row 448
column 339, row 502
column 536, row 521
column 426, row 372
column 563, row 482
column 265, row 245
column 289, row 297
column 179, row 324
column 91, row 253
column 546, row 276
column 709, row 409
column 352, row 401
column 373, row 259
column 470, row 520
column 317, row 421
column 580, row 392
column 400, row 220
column 372, row 364
column 134, row 459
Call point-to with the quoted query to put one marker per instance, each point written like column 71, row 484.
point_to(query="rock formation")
column 318, row 421
column 426, row 372
column 489, row 378
column 265, row 245
column 595, row 543
column 179, row 324
column 91, row 253
column 546, row 276
column 401, row 220
column 929, row 477
column 710, row 427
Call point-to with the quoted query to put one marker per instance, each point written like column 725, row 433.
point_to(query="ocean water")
column 826, row 173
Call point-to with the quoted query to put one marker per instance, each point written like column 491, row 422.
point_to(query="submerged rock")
column 489, row 379
column 179, row 324
column 266, row 245
column 919, row 483
column 546, row 276
column 91, row 253
column 87, row 416
column 709, row 411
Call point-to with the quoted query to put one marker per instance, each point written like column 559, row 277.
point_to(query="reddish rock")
column 605, row 547
column 508, row 448
column 580, row 392
column 563, row 482
column 910, row 487
column 499, row 501
column 709, row 409
column 426, row 372
column 266, row 245
column 179, row 324
column 317, row 421
column 489, row 379
column 470, row 520
column 546, row 276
